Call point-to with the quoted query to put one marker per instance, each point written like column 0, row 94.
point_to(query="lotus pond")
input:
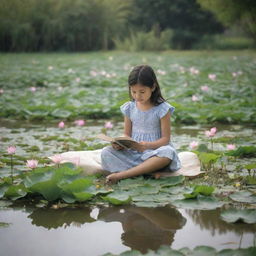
column 56, row 209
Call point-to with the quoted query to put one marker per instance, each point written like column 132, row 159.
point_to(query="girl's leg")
column 150, row 165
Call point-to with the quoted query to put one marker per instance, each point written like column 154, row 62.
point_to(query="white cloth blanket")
column 90, row 161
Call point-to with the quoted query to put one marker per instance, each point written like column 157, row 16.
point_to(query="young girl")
column 147, row 121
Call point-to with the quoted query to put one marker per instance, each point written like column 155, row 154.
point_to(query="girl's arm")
column 127, row 132
column 165, row 131
column 127, row 127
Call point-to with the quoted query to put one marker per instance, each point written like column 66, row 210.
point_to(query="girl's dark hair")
column 145, row 76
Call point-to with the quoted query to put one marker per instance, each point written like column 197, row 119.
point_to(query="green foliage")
column 244, row 197
column 60, row 96
column 236, row 215
column 197, row 251
column 146, row 41
column 201, row 202
column 200, row 190
column 234, row 11
column 243, row 151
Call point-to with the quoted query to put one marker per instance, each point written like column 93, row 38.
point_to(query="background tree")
column 186, row 18
column 230, row 12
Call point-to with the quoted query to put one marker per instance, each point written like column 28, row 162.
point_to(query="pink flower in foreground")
column 61, row 124
column 56, row 158
column 212, row 77
column 231, row 147
column 11, row 150
column 108, row 125
column 205, row 88
column 32, row 89
column 32, row 164
column 211, row 133
column 80, row 122
column 193, row 144
column 195, row 98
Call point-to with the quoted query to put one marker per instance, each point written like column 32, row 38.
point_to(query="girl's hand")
column 142, row 146
column 116, row 146
column 113, row 178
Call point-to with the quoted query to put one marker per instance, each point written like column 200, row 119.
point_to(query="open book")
column 123, row 141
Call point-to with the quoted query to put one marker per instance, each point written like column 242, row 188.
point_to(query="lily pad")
column 235, row 215
column 16, row 191
column 200, row 203
column 118, row 198
column 243, row 196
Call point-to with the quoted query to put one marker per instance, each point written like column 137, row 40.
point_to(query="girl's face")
column 141, row 93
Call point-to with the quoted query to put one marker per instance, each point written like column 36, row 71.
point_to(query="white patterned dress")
column 146, row 126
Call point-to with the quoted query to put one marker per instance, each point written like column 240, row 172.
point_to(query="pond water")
column 95, row 230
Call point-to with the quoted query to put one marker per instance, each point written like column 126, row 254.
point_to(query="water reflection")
column 211, row 220
column 55, row 218
column 145, row 228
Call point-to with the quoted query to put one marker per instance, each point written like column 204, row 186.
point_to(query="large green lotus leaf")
column 251, row 251
column 95, row 191
column 149, row 204
column 243, row 151
column 127, row 184
column 250, row 166
column 38, row 175
column 203, row 251
column 60, row 113
column 158, row 198
column 207, row 158
column 171, row 181
column 177, row 190
column 236, row 215
column 199, row 190
column 243, row 196
column 145, row 190
column 75, row 186
column 201, row 203
column 83, row 196
column 46, row 182
column 118, row 198
column 3, row 189
column 204, row 190
column 15, row 192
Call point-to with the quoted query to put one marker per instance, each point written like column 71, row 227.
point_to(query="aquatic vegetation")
column 222, row 87
column 199, row 250
column 239, row 215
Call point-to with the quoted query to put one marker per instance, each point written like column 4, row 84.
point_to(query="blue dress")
column 145, row 127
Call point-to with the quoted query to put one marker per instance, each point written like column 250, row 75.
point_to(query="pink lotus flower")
column 212, row 77
column 56, row 158
column 194, row 71
column 195, row 98
column 78, row 79
column 11, row 150
column 93, row 73
column 32, row 89
column 1, row 91
column 211, row 132
column 193, row 144
column 108, row 125
column 32, row 164
column 61, row 124
column 205, row 88
column 161, row 72
column 234, row 74
column 231, row 147
column 80, row 122
column 50, row 68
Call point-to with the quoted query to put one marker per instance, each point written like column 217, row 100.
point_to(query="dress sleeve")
column 125, row 109
column 164, row 108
